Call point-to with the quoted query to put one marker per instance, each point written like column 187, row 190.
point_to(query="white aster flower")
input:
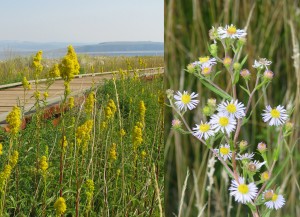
column 231, row 32
column 185, row 100
column 207, row 60
column 196, row 63
column 222, row 122
column 242, row 192
column 273, row 200
column 262, row 62
column 233, row 109
column 277, row 116
column 254, row 166
column 245, row 156
column 203, row 130
column 224, row 151
column 206, row 69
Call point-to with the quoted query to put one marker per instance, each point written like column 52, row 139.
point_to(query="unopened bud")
column 261, row 147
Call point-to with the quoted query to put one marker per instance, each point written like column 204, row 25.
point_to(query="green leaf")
column 236, row 77
column 222, row 93
column 244, row 60
column 245, row 90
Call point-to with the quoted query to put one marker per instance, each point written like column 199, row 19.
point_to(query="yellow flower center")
column 275, row 113
column 224, row 150
column 204, row 127
column 223, row 121
column 231, row 30
column 244, row 189
column 203, row 59
column 231, row 108
column 274, row 197
column 186, row 98
column 206, row 70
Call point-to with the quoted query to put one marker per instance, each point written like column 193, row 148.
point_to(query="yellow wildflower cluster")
column 37, row 94
column 113, row 152
column 54, row 71
column 142, row 112
column 110, row 109
column 89, row 103
column 122, row 132
column 14, row 120
column 103, row 125
column 60, row 206
column 69, row 66
column 161, row 98
column 4, row 175
column 83, row 134
column 43, row 164
column 143, row 155
column 71, row 102
column 64, row 143
column 1, row 149
column 26, row 84
column 13, row 159
column 137, row 136
column 46, row 95
column 37, row 62
column 123, row 74
column 89, row 192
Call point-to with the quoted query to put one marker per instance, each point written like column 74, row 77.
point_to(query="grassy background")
column 272, row 33
column 13, row 70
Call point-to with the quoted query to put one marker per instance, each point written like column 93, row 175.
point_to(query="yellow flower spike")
column 71, row 102
column 143, row 155
column 37, row 94
column 83, row 134
column 46, row 95
column 37, row 62
column 26, row 84
column 43, row 164
column 113, row 152
column 14, row 120
column 122, row 132
column 69, row 66
column 137, row 137
column 13, row 160
column 89, row 103
column 60, row 206
column 1, row 149
column 54, row 71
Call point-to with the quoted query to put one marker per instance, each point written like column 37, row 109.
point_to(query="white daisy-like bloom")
column 233, row 109
column 273, row 200
column 203, row 130
column 254, row 166
column 262, row 62
column 206, row 69
column 185, row 100
column 224, row 151
column 222, row 122
column 242, row 192
column 277, row 116
column 245, row 156
column 207, row 60
column 196, row 63
column 231, row 32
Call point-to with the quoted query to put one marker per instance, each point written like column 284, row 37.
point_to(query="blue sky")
column 82, row 21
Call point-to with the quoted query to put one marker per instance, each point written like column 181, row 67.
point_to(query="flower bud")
column 212, row 102
column 237, row 66
column 170, row 93
column 206, row 111
column 227, row 61
column 243, row 145
column 213, row 49
column 268, row 75
column 251, row 167
column 241, row 41
column 289, row 126
column 205, row 69
column 245, row 73
column 262, row 147
column 265, row 176
column 191, row 68
column 176, row 124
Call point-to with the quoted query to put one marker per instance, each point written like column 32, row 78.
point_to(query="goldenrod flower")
column 71, row 102
column 137, row 136
column 26, row 84
column 37, row 62
column 46, row 95
column 110, row 109
column 43, row 164
column 103, row 125
column 83, row 134
column 60, row 206
column 113, row 152
column 89, row 103
column 69, row 67
column 143, row 155
column 1, row 147
column 122, row 132
column 37, row 94
column 142, row 111
column 14, row 120
column 54, row 71
column 13, row 160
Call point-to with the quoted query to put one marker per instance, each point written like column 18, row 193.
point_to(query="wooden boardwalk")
column 13, row 94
